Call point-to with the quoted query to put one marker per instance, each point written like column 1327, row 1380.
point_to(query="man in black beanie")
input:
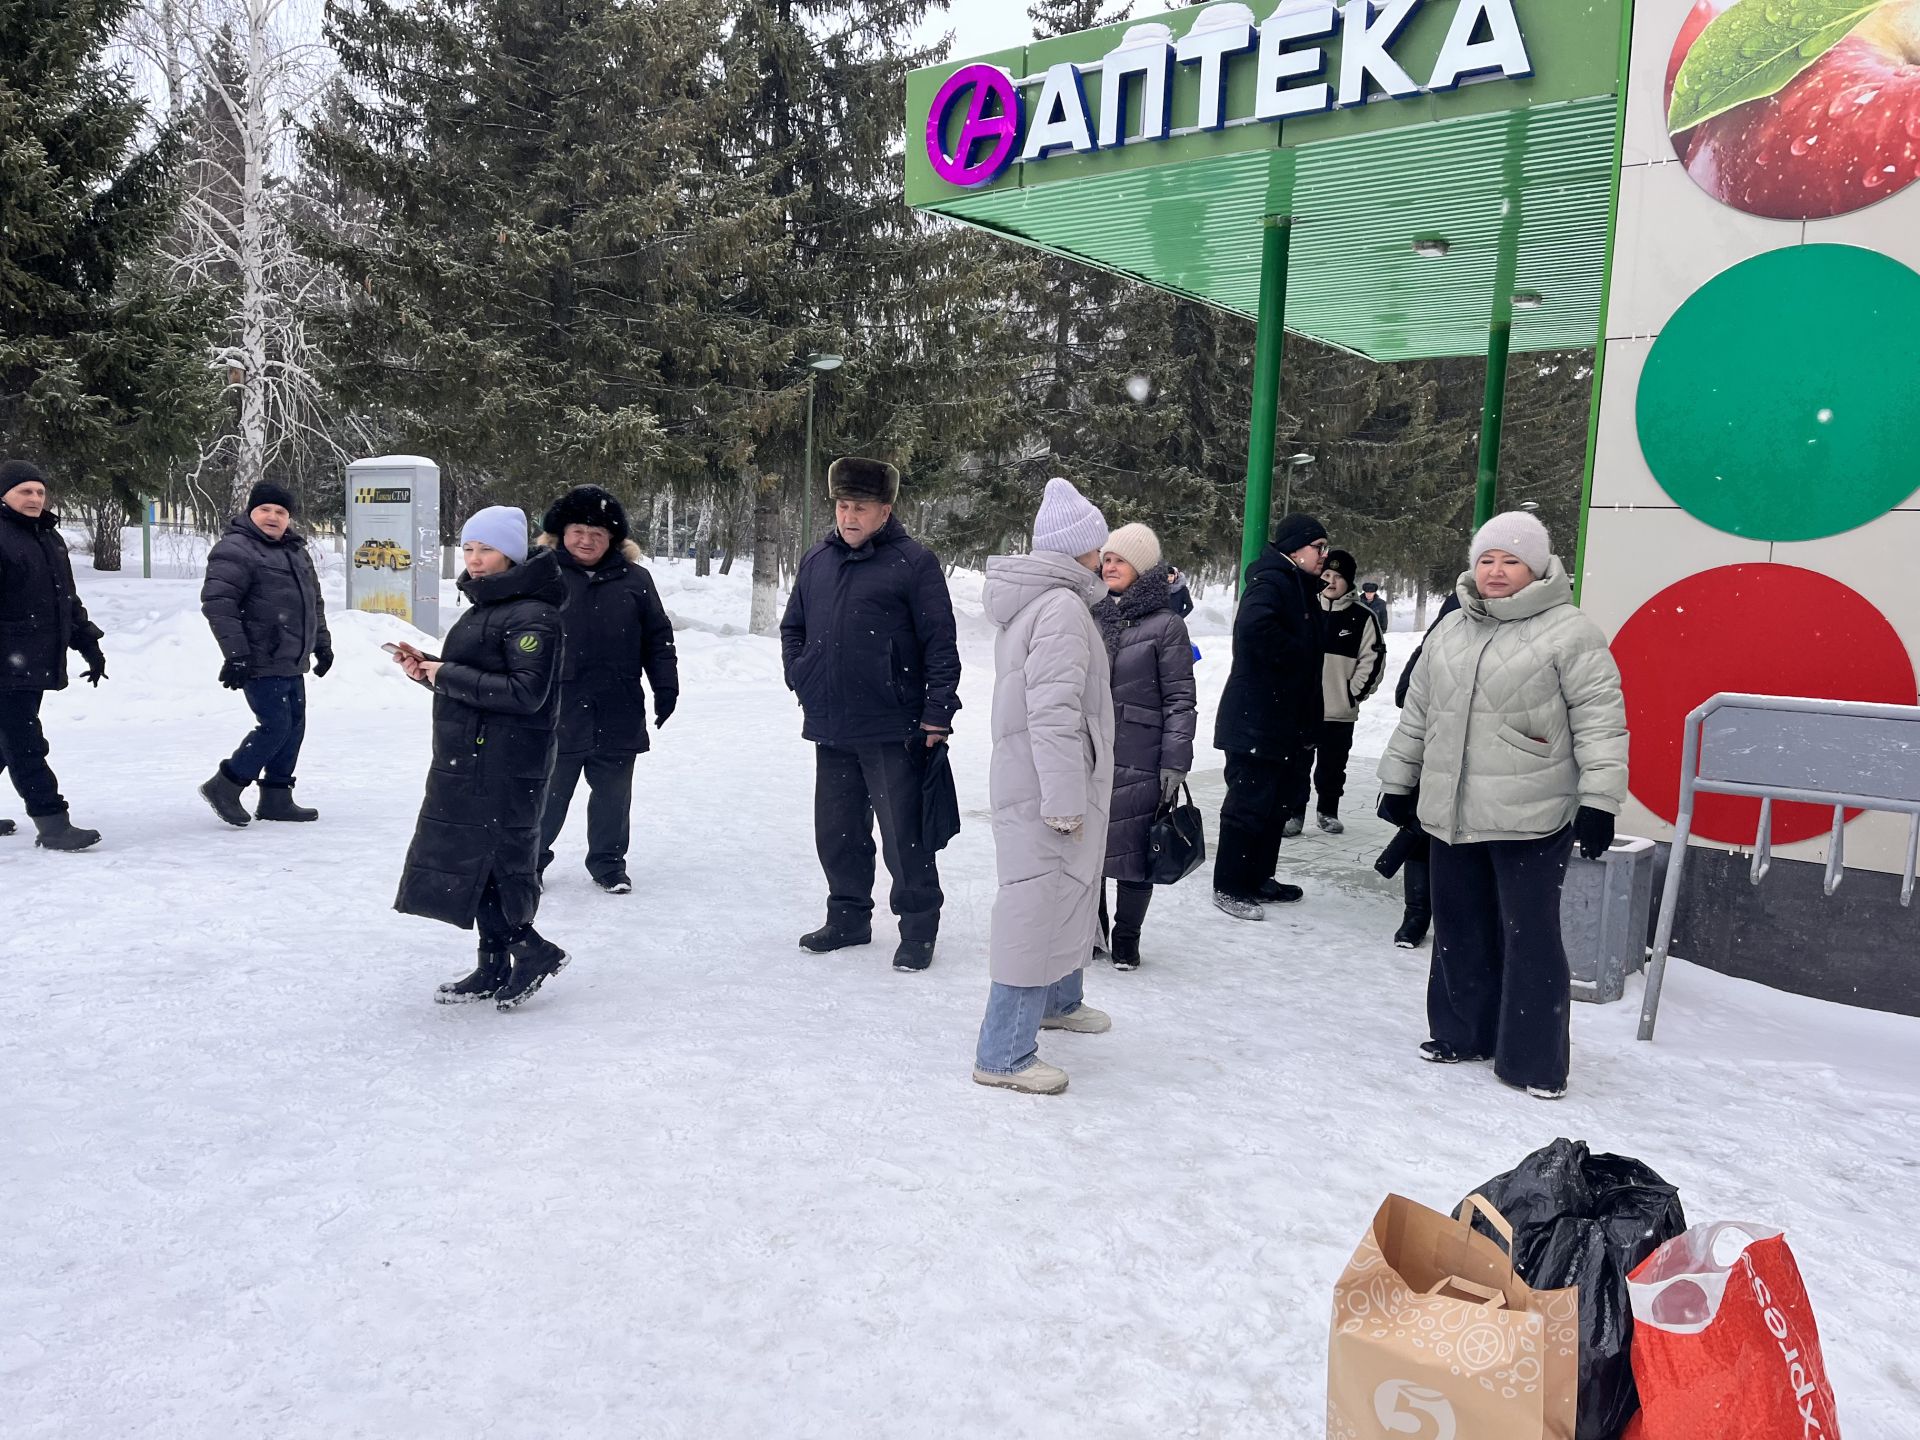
column 41, row 618
column 1270, row 713
column 262, row 599
column 870, row 648
column 617, row 632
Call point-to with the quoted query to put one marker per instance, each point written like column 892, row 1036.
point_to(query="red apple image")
column 1842, row 134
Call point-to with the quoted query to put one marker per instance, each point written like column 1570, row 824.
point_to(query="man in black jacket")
column 262, row 599
column 617, row 631
column 41, row 618
column 868, row 645
column 1270, row 713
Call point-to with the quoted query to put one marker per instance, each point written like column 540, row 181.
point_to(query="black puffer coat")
column 1153, row 713
column 262, row 598
column 495, row 705
column 41, row 616
column 1272, row 703
column 868, row 640
column 617, row 631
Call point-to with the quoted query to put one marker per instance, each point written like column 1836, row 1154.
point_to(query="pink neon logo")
column 1002, row 128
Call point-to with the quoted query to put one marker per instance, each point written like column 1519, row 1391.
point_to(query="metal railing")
column 1850, row 755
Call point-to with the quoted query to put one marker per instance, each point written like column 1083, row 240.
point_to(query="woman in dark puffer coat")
column 496, row 702
column 1153, row 715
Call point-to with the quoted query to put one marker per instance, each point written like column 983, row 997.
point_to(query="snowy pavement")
column 257, row 1184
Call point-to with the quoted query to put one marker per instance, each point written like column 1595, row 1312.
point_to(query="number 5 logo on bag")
column 1404, row 1408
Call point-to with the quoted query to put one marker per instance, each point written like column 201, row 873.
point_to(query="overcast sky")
column 980, row 25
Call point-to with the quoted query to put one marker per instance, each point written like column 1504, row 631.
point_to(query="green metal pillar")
column 1267, row 345
column 146, row 539
column 1487, row 492
column 807, row 537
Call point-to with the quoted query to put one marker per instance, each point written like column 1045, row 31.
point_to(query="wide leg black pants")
column 851, row 789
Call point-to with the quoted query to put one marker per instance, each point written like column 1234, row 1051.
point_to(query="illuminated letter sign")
column 1060, row 119
column 1000, row 129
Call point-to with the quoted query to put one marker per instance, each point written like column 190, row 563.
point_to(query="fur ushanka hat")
column 854, row 478
column 587, row 505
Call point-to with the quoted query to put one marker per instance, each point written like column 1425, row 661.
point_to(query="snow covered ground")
column 257, row 1184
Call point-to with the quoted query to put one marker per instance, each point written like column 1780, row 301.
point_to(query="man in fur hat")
column 868, row 645
column 616, row 632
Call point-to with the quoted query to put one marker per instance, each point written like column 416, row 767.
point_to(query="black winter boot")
column 534, row 959
column 222, row 792
column 913, row 955
column 1415, row 877
column 483, row 984
column 6, row 827
column 57, row 832
column 1126, row 949
column 276, row 803
column 835, row 937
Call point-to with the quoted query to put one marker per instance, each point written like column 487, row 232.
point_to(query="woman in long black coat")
column 495, row 703
column 1153, row 720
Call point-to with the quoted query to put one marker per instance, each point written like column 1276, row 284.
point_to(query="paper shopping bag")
column 1724, row 1341
column 1435, row 1337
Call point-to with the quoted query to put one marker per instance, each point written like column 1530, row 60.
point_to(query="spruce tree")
column 100, row 376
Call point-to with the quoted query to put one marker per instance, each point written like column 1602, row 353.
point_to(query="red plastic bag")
column 1724, row 1342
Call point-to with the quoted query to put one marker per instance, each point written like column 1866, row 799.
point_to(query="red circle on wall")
column 1756, row 629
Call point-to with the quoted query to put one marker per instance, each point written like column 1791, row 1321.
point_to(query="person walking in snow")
column 1051, row 782
column 1371, row 597
column 41, row 618
column 262, row 599
column 1151, row 658
column 616, row 632
column 496, row 702
column 868, row 645
column 1512, row 746
column 1356, row 659
column 1270, row 714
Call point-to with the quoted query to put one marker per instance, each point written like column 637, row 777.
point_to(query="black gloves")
column 234, row 674
column 1594, row 830
column 1400, row 811
column 96, row 663
column 322, row 662
column 663, row 703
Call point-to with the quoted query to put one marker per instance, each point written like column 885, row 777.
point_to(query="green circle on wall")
column 1782, row 401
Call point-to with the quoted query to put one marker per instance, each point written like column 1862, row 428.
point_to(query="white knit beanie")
column 501, row 526
column 1518, row 533
column 1135, row 544
column 1068, row 522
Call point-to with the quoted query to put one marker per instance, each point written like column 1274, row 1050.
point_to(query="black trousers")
column 1499, row 984
column 1252, row 818
column 1330, row 764
column 609, row 809
column 23, row 752
column 490, row 919
column 1131, row 900
column 851, row 789
column 1299, row 783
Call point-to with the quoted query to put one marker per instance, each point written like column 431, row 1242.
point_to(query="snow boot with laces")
column 57, row 832
column 222, row 792
column 483, row 984
column 1039, row 1078
column 535, row 959
column 276, row 803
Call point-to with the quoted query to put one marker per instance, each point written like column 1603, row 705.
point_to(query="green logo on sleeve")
column 529, row 643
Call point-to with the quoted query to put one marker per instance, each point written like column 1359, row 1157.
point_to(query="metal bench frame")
column 1709, row 774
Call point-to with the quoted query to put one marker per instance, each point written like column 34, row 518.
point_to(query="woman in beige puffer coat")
column 1513, row 743
column 1051, row 781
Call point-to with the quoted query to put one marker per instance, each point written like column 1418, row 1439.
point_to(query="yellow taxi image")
column 381, row 555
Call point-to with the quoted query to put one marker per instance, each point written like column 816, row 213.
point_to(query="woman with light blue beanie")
column 496, row 701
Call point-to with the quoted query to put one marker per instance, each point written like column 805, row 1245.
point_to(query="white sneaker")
column 1239, row 909
column 1085, row 1021
column 1038, row 1078
column 1331, row 824
column 1547, row 1092
column 1293, row 828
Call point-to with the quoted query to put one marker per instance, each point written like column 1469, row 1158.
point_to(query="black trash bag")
column 1587, row 1220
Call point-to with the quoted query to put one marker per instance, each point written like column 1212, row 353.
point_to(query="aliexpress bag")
column 1724, row 1341
column 1436, row 1338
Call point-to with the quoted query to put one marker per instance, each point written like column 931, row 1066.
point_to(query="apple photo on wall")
column 1797, row 109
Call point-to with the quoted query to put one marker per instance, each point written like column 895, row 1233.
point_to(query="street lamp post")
column 815, row 364
column 1294, row 462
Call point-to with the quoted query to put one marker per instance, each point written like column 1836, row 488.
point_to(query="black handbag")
column 939, row 802
column 1177, row 842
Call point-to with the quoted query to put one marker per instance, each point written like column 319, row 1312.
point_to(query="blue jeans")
column 272, row 750
column 1010, row 1032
